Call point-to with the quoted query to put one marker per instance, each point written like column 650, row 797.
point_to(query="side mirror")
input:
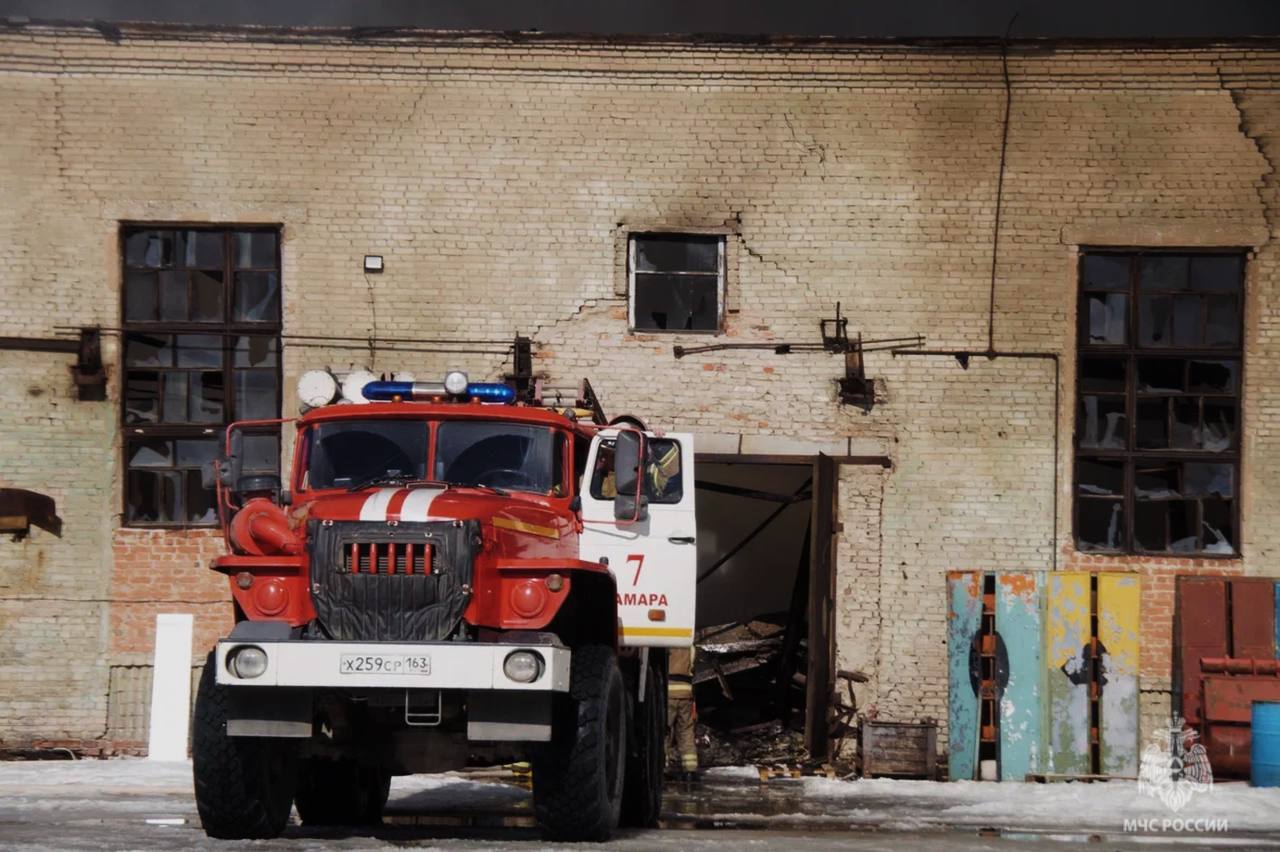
column 628, row 453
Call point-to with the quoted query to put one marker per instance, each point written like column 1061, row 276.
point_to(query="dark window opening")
column 1158, row 402
column 201, row 311
column 677, row 282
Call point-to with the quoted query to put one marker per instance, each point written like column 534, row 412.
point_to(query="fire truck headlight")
column 455, row 382
column 523, row 666
column 247, row 662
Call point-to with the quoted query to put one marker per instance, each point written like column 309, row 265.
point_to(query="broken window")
column 201, row 349
column 677, row 282
column 1158, row 402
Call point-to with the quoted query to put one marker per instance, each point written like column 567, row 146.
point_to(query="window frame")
column 227, row 328
column 1132, row 351
column 721, row 279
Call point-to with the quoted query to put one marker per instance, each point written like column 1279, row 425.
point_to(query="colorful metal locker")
column 964, row 620
column 1119, row 629
column 1067, row 659
column 1019, row 621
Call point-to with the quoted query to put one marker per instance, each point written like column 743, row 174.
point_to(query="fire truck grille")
column 391, row 583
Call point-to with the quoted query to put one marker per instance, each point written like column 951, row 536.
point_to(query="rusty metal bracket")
column 20, row 510
column 88, row 372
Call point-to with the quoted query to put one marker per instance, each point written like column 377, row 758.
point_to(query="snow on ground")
column 78, row 796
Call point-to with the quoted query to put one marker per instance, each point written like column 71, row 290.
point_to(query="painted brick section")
column 500, row 180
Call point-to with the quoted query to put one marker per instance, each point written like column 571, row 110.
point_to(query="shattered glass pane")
column 1186, row 320
column 1156, row 481
column 201, row 249
column 1183, row 526
column 1100, row 477
column 150, row 454
column 257, row 297
column 257, row 351
column 1161, row 375
column 1219, row 432
column 1213, row 376
column 1153, row 320
column 206, row 296
column 1216, row 526
column 1106, row 272
column 193, row 453
column 1153, row 424
column 206, row 397
column 1217, row 273
column 1163, row 272
column 1150, row 518
column 261, row 453
column 175, row 398
column 1102, row 423
column 173, row 295
column 255, row 249
column 1223, row 326
column 676, row 302
column 199, row 350
column 154, row 496
column 1108, row 317
column 142, row 396
column 1099, row 524
column 677, row 253
column 1208, row 479
column 149, row 249
column 256, row 397
column 1103, row 374
column 201, row 503
column 141, row 301
column 1185, row 432
column 148, row 350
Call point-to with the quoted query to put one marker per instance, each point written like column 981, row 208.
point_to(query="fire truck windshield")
column 495, row 454
column 352, row 453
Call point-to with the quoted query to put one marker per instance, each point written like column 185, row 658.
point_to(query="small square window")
column 676, row 282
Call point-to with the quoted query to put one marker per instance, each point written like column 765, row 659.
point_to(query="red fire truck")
column 449, row 579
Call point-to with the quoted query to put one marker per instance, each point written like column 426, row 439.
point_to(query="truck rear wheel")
column 646, row 757
column 341, row 792
column 244, row 785
column 578, row 776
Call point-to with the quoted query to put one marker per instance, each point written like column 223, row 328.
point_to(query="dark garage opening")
column 756, row 562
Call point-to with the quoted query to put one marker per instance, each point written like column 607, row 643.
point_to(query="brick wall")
column 499, row 181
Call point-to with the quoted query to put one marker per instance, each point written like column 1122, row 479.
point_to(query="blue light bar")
column 420, row 391
column 491, row 392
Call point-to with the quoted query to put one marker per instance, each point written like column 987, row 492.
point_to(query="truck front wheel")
column 578, row 776
column 244, row 785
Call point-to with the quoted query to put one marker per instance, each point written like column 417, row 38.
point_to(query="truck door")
column 654, row 560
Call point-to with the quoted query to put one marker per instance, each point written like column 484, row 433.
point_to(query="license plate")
column 410, row 664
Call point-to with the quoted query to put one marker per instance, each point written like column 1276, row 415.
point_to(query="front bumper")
column 397, row 665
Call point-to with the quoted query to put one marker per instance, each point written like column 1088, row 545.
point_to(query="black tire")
column 341, row 792
column 578, row 776
column 244, row 785
column 646, row 756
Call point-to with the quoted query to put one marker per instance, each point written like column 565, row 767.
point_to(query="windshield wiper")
column 384, row 478
column 500, row 492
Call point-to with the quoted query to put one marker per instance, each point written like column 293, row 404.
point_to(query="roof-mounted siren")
column 354, row 384
column 455, row 386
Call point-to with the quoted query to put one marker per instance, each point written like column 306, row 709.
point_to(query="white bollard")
column 171, row 688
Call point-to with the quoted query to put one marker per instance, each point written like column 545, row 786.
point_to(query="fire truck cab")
column 449, row 579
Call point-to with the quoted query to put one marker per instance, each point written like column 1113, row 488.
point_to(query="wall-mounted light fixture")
column 372, row 263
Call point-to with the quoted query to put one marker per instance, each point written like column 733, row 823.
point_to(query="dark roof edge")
column 116, row 30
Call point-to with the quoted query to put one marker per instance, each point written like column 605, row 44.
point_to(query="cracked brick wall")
column 499, row 181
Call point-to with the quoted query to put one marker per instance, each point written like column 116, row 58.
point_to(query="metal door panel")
column 1066, row 638
column 1202, row 632
column 1119, row 630
column 1253, row 618
column 1019, row 621
column 964, row 619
